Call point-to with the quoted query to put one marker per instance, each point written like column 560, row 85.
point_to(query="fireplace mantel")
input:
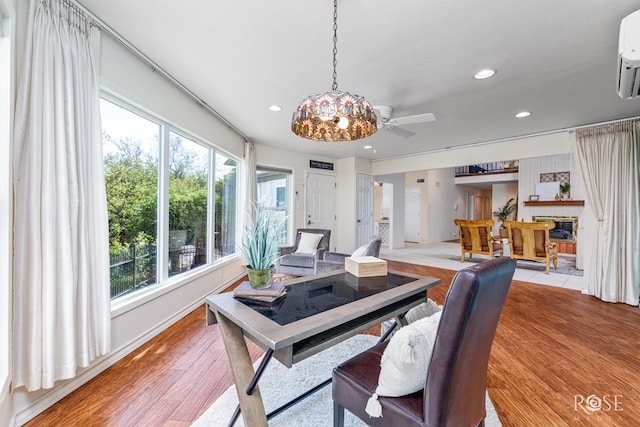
column 532, row 203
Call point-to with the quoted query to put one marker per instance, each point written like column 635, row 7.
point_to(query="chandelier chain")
column 334, row 116
column 335, row 45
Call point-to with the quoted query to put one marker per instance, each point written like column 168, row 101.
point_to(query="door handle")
column 359, row 220
column 309, row 222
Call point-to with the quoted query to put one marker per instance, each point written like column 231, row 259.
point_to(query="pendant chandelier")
column 335, row 115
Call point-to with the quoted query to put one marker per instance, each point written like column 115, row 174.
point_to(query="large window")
column 160, row 200
column 188, row 195
column 225, row 206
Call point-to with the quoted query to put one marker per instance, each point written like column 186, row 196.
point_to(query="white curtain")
column 61, row 253
column 251, row 183
column 608, row 158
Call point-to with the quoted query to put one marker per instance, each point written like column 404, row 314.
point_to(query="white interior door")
column 471, row 206
column 364, row 208
column 412, row 215
column 320, row 195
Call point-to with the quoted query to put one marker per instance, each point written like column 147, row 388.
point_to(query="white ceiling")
column 554, row 58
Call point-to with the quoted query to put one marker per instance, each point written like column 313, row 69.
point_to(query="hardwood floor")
column 554, row 351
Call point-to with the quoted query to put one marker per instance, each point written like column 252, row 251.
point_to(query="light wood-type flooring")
column 559, row 358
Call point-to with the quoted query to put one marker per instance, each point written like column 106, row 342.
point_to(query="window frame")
column 166, row 283
column 289, row 198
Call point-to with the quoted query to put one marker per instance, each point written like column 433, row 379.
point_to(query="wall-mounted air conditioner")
column 629, row 56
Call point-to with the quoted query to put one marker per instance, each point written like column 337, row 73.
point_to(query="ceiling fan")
column 392, row 125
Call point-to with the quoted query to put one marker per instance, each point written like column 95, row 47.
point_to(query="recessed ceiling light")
column 484, row 74
column 275, row 108
column 522, row 114
column 367, row 147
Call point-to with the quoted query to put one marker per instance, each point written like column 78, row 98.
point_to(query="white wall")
column 443, row 196
column 529, row 175
column 345, row 235
column 397, row 219
column 411, row 181
column 346, row 177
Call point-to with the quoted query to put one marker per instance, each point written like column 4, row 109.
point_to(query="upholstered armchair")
column 475, row 238
column 300, row 259
column 335, row 260
column 530, row 241
column 455, row 374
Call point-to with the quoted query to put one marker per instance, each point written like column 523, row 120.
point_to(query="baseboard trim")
column 67, row 387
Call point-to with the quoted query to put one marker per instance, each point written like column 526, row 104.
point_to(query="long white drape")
column 61, row 252
column 608, row 158
column 251, row 183
column 250, row 162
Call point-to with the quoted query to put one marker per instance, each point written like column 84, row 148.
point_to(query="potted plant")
column 503, row 214
column 260, row 246
column 564, row 189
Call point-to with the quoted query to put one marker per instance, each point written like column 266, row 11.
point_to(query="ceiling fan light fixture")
column 335, row 115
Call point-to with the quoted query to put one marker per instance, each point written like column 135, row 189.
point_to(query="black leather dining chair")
column 456, row 381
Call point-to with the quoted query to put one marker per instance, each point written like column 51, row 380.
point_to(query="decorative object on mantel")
column 260, row 246
column 534, row 198
column 564, row 189
column 334, row 115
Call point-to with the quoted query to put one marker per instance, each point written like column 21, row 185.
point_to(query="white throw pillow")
column 416, row 313
column 361, row 251
column 309, row 243
column 404, row 363
column 425, row 309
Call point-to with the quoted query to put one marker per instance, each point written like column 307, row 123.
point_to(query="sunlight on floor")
column 447, row 255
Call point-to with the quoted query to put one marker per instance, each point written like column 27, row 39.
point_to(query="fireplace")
column 566, row 227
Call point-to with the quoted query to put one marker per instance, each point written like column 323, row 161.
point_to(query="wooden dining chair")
column 475, row 238
column 530, row 241
column 456, row 380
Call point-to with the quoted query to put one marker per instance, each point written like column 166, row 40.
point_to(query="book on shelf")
column 276, row 289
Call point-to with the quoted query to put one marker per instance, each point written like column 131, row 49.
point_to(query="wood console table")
column 338, row 307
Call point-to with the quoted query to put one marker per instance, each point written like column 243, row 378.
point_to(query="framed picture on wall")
column 534, row 198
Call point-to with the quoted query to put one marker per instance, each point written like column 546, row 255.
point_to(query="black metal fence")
column 136, row 268
column 132, row 270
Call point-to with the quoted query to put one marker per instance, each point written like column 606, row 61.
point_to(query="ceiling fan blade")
column 418, row 118
column 399, row 131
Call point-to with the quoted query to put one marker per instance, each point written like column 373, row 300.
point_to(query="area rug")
column 279, row 385
column 566, row 265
